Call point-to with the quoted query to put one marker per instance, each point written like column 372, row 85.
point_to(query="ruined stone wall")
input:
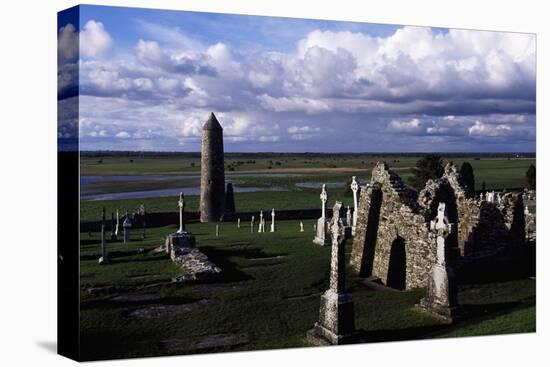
column 392, row 240
column 462, row 210
column 393, row 227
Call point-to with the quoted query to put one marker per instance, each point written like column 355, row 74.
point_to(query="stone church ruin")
column 393, row 240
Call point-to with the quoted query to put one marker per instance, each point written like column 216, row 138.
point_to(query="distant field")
column 298, row 178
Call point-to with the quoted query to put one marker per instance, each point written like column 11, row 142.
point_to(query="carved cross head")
column 441, row 223
column 354, row 184
column 323, row 195
column 336, row 227
column 181, row 203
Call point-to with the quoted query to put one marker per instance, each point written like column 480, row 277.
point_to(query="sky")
column 148, row 80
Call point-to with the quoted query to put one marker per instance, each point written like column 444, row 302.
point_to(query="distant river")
column 87, row 184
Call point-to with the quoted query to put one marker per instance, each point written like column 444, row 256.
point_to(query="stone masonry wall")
column 402, row 250
column 462, row 210
column 393, row 241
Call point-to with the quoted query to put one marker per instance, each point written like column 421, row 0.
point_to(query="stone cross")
column 126, row 225
column 354, row 188
column 443, row 228
column 238, row 222
column 260, row 229
column 181, row 205
column 301, row 226
column 348, row 217
column 272, row 229
column 337, row 263
column 441, row 295
column 252, row 225
column 324, row 198
column 336, row 323
column 104, row 259
column 117, row 224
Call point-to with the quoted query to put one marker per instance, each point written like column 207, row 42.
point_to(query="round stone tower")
column 212, row 171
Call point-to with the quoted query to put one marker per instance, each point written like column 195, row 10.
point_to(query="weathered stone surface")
column 441, row 296
column 179, row 240
column 461, row 209
column 212, row 171
column 392, row 239
column 195, row 265
column 336, row 316
column 322, row 237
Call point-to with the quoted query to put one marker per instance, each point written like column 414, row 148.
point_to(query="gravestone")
column 104, row 259
column 181, row 238
column 322, row 238
column 336, row 323
column 301, row 226
column 117, row 224
column 217, row 230
column 272, row 229
column 441, row 296
column 354, row 188
column 252, row 225
column 113, row 229
column 260, row 226
column 126, row 227
column 238, row 222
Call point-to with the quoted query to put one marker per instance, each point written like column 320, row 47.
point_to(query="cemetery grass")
column 269, row 295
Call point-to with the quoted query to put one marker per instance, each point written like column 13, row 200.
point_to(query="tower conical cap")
column 212, row 123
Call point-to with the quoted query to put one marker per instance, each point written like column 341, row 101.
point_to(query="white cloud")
column 413, row 83
column 284, row 104
column 95, row 41
column 409, row 127
column 271, row 138
column 123, row 135
column 303, row 129
column 486, row 130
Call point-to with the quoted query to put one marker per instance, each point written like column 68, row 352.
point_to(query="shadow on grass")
column 470, row 314
column 231, row 270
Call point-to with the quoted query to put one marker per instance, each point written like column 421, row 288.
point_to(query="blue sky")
column 149, row 79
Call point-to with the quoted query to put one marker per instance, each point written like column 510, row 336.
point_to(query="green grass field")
column 270, row 292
